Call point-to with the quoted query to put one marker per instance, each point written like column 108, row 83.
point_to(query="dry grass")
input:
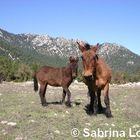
column 21, row 106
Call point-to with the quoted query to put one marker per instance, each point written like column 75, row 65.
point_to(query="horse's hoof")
column 100, row 110
column 90, row 112
column 68, row 104
column 95, row 113
column 108, row 115
column 44, row 104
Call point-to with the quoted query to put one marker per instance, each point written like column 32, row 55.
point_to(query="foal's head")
column 74, row 65
column 89, row 59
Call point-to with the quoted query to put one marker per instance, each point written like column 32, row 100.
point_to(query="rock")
column 12, row 123
column 4, row 122
column 88, row 124
column 57, row 131
column 112, row 124
column 4, row 132
column 19, row 138
column 63, row 115
column 136, row 126
column 73, row 105
column 55, row 114
column 32, row 121
column 67, row 112
column 106, row 124
column 75, row 82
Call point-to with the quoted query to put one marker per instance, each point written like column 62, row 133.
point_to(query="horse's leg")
column 95, row 103
column 63, row 96
column 100, row 108
column 68, row 103
column 93, row 98
column 107, row 102
column 41, row 93
column 91, row 94
column 91, row 102
column 44, row 94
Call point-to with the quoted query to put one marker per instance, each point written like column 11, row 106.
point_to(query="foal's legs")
column 107, row 102
column 68, row 103
column 100, row 108
column 63, row 96
column 42, row 93
column 45, row 93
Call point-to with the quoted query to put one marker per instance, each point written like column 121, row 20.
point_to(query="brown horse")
column 57, row 77
column 97, row 76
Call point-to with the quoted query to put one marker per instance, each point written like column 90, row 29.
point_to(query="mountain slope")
column 119, row 57
column 31, row 48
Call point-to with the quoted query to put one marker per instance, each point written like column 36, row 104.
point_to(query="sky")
column 93, row 21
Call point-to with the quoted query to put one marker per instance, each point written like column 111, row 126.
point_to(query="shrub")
column 8, row 68
column 24, row 73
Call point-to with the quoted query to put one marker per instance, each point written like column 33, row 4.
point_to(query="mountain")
column 119, row 57
column 46, row 50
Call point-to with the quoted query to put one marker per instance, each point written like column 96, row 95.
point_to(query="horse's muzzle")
column 89, row 78
column 74, row 76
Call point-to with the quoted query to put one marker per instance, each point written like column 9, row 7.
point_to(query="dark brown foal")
column 57, row 77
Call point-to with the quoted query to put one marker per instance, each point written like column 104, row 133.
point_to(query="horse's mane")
column 87, row 46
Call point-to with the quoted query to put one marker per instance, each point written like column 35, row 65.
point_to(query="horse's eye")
column 95, row 57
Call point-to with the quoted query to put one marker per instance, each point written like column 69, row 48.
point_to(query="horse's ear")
column 98, row 44
column 70, row 58
column 81, row 47
column 95, row 48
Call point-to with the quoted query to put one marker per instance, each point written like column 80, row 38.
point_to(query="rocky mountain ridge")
column 117, row 56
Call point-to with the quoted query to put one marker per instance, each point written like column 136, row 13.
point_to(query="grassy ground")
column 23, row 118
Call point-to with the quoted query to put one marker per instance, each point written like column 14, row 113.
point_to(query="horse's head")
column 73, row 65
column 89, row 58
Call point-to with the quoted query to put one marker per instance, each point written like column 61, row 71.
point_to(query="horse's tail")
column 35, row 83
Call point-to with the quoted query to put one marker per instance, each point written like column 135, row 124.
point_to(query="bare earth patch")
column 23, row 118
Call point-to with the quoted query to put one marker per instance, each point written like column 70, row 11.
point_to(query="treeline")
column 119, row 77
column 11, row 70
column 14, row 71
column 125, row 77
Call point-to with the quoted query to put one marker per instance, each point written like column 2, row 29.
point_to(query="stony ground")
column 23, row 118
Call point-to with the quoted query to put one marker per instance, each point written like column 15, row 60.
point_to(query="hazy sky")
column 114, row 21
